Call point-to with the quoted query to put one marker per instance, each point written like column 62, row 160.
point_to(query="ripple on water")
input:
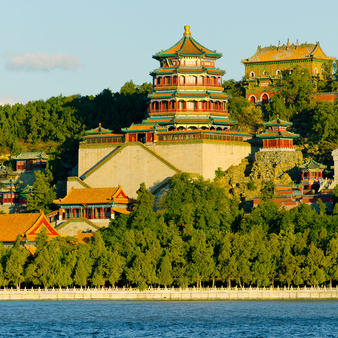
column 168, row 319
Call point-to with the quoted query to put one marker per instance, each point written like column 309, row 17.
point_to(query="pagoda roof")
column 99, row 130
column 31, row 155
column 93, row 196
column 143, row 127
column 187, row 46
column 288, row 52
column 25, row 225
column 312, row 164
column 277, row 134
column 278, row 122
column 226, row 121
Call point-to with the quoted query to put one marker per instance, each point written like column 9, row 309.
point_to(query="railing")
column 202, row 110
column 171, row 293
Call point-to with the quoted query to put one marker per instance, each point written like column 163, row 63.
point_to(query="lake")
column 168, row 319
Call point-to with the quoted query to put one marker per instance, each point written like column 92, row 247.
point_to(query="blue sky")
column 70, row 47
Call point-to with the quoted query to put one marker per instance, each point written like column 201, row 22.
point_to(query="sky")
column 65, row 47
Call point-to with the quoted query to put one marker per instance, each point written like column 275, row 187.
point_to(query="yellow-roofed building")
column 266, row 66
column 89, row 209
column 27, row 226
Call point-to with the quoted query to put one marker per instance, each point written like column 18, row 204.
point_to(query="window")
column 278, row 72
column 252, row 74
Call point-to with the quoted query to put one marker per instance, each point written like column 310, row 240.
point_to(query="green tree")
column 43, row 193
column 80, row 273
column 165, row 271
column 201, row 263
column 14, row 271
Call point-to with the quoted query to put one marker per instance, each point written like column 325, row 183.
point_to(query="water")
column 168, row 319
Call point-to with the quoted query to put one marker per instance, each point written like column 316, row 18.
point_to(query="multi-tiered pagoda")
column 187, row 128
column 187, row 97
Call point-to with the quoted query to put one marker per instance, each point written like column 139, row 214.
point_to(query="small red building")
column 277, row 137
column 312, row 174
column 27, row 161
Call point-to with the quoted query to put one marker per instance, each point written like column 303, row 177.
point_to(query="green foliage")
column 249, row 116
column 14, row 270
column 234, row 88
column 198, row 238
column 43, row 193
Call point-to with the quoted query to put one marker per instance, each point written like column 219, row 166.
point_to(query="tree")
column 43, row 193
column 115, row 264
column 296, row 87
column 80, row 273
column 316, row 265
column 165, row 271
column 14, row 271
column 249, row 116
column 201, row 263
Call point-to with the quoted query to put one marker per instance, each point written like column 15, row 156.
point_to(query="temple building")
column 188, row 128
column 266, row 66
column 88, row 209
column 27, row 226
column 312, row 175
column 277, row 137
column 29, row 161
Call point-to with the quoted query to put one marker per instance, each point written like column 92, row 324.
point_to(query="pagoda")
column 187, row 97
column 277, row 137
column 187, row 128
column 312, row 174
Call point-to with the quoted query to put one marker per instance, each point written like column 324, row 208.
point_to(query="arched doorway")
column 265, row 98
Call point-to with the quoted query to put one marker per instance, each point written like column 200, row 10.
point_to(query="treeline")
column 58, row 124
column 61, row 120
column 198, row 236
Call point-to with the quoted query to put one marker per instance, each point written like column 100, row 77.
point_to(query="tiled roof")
column 312, row 164
column 93, row 196
column 187, row 46
column 288, row 52
column 121, row 210
column 277, row 134
column 278, row 122
column 99, row 130
column 31, row 155
column 137, row 127
column 12, row 225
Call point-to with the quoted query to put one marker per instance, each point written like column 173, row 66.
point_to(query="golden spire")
column 288, row 44
column 187, row 31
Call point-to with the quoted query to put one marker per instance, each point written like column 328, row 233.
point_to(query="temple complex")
column 267, row 65
column 188, row 128
column 277, row 137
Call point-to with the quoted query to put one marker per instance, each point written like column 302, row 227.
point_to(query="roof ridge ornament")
column 187, row 31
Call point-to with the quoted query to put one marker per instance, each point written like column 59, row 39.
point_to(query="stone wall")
column 192, row 294
column 203, row 158
column 133, row 163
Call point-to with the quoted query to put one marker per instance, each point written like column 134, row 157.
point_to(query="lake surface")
column 168, row 319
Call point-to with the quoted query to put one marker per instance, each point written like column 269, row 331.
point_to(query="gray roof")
column 31, row 155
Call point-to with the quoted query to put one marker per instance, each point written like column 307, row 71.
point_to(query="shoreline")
column 189, row 294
